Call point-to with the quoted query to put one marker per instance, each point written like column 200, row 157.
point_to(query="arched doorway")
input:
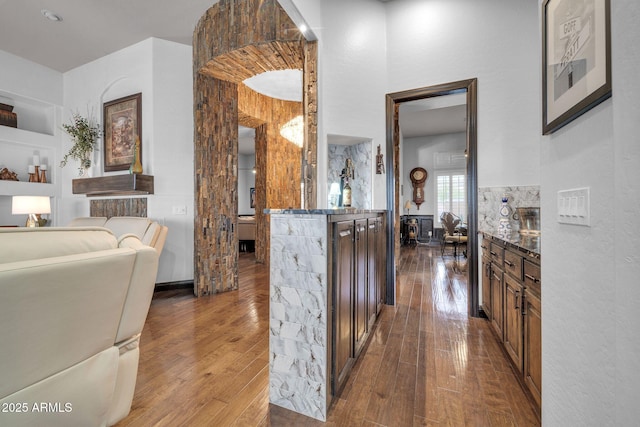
column 233, row 41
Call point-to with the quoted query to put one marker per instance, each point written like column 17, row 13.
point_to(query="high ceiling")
column 91, row 29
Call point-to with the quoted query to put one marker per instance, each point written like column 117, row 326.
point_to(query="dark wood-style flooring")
column 204, row 362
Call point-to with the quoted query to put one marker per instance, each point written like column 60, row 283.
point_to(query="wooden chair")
column 452, row 235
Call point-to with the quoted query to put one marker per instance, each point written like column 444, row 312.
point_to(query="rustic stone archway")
column 235, row 40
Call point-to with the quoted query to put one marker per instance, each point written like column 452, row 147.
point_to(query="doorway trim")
column 393, row 101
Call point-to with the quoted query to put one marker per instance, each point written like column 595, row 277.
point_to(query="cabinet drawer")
column 532, row 277
column 485, row 245
column 497, row 253
column 513, row 264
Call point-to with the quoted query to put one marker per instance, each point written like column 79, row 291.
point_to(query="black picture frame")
column 122, row 125
column 576, row 59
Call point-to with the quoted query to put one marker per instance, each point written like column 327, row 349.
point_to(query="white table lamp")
column 31, row 205
column 407, row 206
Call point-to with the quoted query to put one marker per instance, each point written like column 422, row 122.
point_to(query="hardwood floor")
column 204, row 362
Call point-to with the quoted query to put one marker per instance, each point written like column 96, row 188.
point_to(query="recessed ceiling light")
column 51, row 16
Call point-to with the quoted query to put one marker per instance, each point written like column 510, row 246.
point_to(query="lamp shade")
column 407, row 205
column 334, row 189
column 30, row 205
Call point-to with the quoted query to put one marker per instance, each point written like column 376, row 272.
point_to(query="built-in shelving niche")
column 37, row 134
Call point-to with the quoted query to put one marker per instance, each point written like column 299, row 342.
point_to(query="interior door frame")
column 393, row 101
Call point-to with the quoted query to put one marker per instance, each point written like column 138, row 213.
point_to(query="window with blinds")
column 451, row 193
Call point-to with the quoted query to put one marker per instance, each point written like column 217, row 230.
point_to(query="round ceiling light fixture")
column 279, row 84
column 51, row 16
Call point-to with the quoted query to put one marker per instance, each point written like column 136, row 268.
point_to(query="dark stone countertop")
column 525, row 243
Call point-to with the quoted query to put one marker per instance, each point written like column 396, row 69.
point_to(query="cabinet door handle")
column 530, row 277
column 523, row 311
column 517, row 296
column 510, row 264
column 345, row 233
column 493, row 253
column 484, row 248
column 496, row 276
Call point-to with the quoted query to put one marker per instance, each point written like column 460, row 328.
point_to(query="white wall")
column 170, row 148
column 591, row 368
column 440, row 41
column 352, row 81
column 419, row 152
column 28, row 79
column 161, row 70
column 626, row 110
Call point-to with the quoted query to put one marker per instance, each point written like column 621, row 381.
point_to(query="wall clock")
column 418, row 177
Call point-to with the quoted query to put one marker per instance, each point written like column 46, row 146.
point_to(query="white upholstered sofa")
column 149, row 232
column 73, row 302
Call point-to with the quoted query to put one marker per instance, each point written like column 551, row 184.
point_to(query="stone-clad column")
column 235, row 40
column 216, row 183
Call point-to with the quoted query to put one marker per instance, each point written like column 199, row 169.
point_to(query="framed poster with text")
column 576, row 59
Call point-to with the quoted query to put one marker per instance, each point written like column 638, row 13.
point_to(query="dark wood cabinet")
column 497, row 305
column 381, row 270
column 361, row 286
column 486, row 277
column 532, row 345
column 373, row 274
column 513, row 327
column 359, row 277
column 533, row 330
column 512, row 304
column 342, row 303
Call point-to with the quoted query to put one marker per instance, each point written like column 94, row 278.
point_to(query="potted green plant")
column 85, row 133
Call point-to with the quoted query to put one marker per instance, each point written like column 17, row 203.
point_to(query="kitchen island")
column 327, row 281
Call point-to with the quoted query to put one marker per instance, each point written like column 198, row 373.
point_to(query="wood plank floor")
column 204, row 362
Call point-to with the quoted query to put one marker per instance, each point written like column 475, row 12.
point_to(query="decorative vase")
column 504, row 225
column 84, row 171
column 136, row 165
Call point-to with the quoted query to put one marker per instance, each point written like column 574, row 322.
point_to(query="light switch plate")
column 179, row 210
column 574, row 207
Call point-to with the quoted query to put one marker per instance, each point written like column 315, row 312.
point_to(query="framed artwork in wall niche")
column 252, row 198
column 576, row 59
column 122, row 126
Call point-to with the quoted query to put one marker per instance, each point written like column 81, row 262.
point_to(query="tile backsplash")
column 490, row 202
column 361, row 156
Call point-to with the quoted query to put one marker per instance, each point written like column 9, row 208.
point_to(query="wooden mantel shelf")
column 114, row 185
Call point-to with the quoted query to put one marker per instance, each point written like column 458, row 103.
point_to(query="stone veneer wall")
column 235, row 40
column 490, row 202
column 262, row 220
column 216, row 184
column 279, row 165
column 136, row 206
